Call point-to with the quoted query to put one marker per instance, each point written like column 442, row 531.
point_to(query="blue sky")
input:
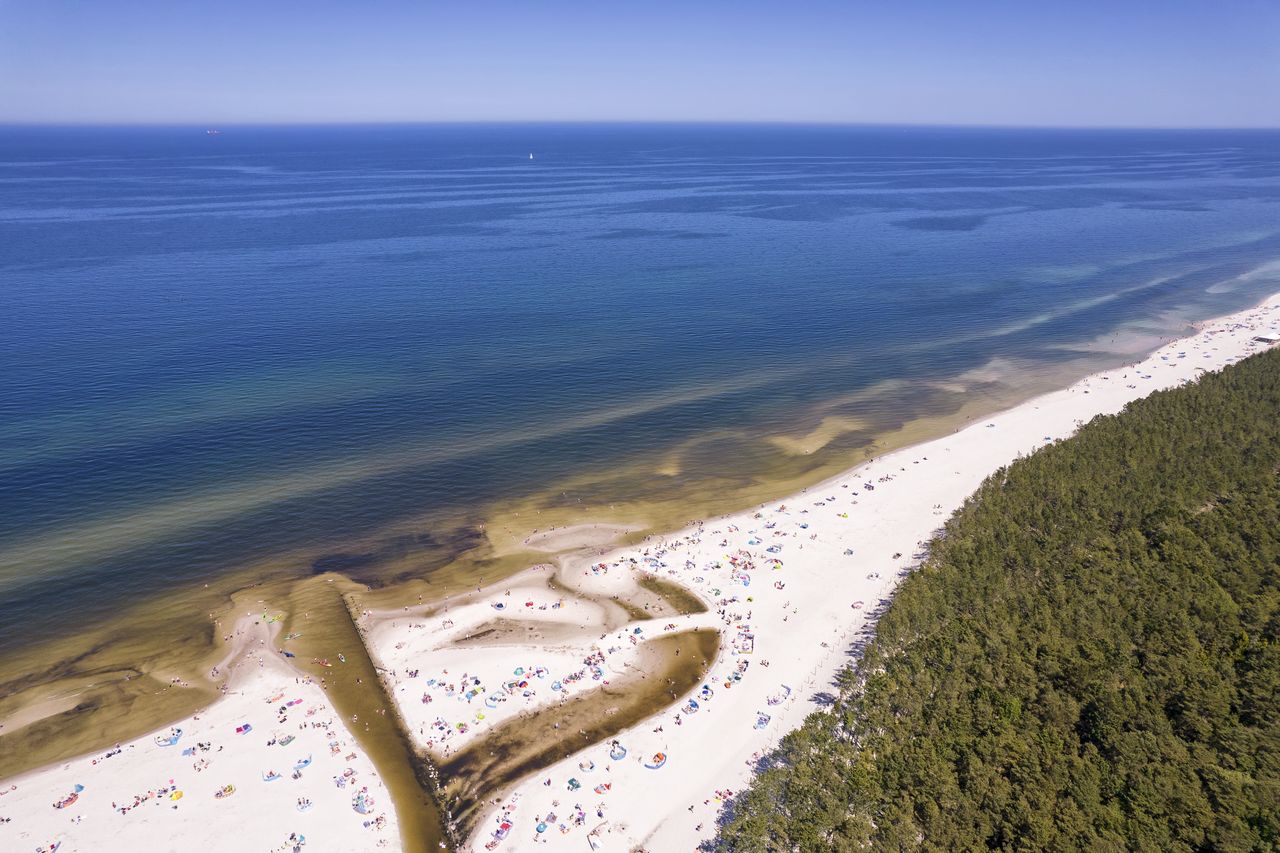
column 1026, row 62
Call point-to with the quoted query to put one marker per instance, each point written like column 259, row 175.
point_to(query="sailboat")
column 530, row 155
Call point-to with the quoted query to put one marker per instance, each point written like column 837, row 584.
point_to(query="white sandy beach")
column 791, row 584
column 450, row 692
column 142, row 795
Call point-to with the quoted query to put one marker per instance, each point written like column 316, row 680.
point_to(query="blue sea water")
column 217, row 347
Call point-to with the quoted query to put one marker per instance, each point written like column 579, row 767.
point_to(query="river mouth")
column 321, row 613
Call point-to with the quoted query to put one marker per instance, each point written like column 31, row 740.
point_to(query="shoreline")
column 719, row 754
column 767, row 572
column 165, row 635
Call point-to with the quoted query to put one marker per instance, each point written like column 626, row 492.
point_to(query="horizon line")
column 21, row 123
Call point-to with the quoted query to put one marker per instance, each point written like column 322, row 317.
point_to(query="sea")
column 366, row 349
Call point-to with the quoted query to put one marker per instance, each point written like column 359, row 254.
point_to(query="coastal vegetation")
column 1089, row 657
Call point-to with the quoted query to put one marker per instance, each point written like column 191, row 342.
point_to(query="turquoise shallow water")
column 220, row 347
